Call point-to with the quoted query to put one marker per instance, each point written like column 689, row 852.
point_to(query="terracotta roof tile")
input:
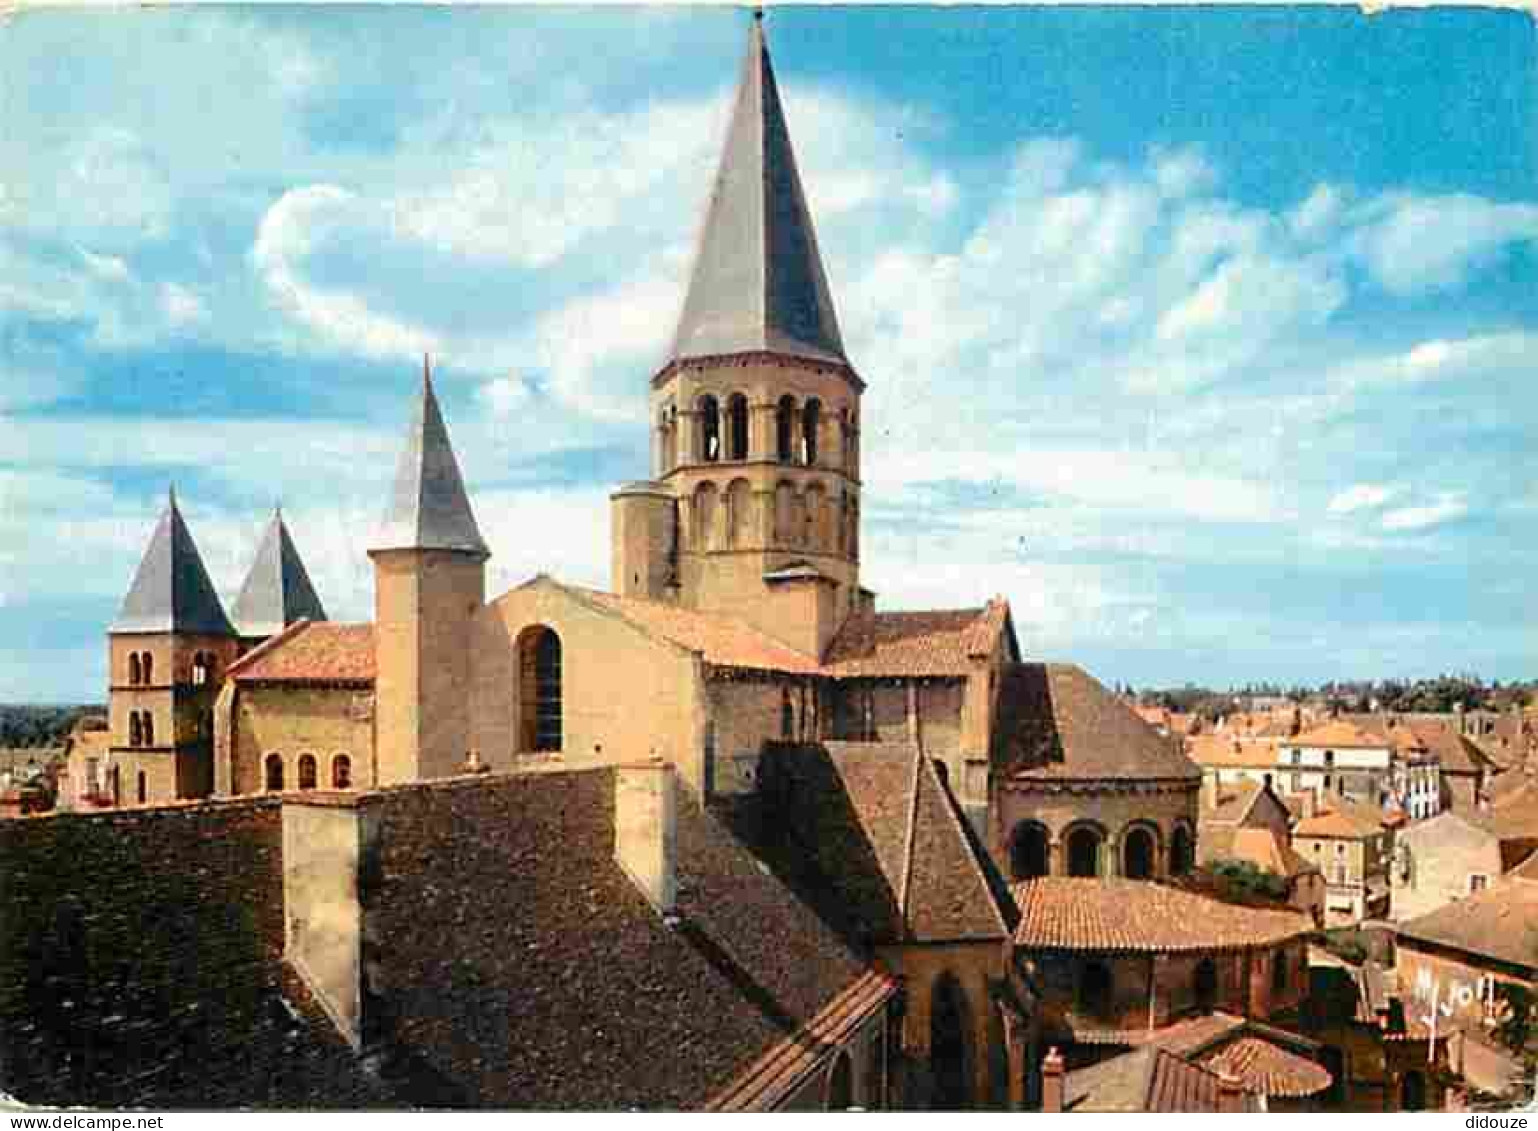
column 935, row 642
column 1269, row 851
column 1342, row 819
column 1342, row 734
column 1143, row 1080
column 1268, row 1069
column 1497, row 923
column 311, row 651
column 1072, row 913
column 1225, row 750
column 1058, row 722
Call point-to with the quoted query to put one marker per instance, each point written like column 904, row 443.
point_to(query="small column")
column 1053, row 1072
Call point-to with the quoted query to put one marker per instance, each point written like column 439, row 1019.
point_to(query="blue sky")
column 1204, row 335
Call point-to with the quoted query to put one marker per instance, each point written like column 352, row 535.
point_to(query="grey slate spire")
column 172, row 592
column 277, row 590
column 429, row 509
column 758, row 282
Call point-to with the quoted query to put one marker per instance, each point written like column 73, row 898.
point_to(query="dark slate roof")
column 429, row 509
column 277, row 590
column 870, row 836
column 1058, row 723
column 758, row 282
column 172, row 592
column 525, row 970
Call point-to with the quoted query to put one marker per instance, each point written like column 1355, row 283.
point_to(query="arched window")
column 710, row 429
column 949, row 1050
column 306, row 771
column 1182, row 853
column 739, row 513
column 1138, row 853
column 147, row 667
column 737, row 427
column 202, row 668
column 135, row 730
column 144, row 791
column 667, row 431
column 705, row 517
column 115, row 784
column 841, row 1084
column 784, row 514
column 1095, row 985
column 147, row 725
column 539, row 664
column 273, row 772
column 341, row 772
column 787, row 715
column 1084, row 851
column 135, row 676
column 785, row 429
column 1028, row 851
column 1204, row 985
column 814, row 508
column 811, row 421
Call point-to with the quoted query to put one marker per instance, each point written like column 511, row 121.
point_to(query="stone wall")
column 290, row 721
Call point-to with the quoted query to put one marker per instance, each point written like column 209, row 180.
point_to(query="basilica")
column 736, row 721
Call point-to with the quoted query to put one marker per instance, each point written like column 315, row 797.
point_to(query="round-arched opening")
column 1028, row 851
column 737, row 427
column 147, row 668
column 841, row 1084
column 739, row 503
column 1204, row 985
column 785, row 429
column 785, row 514
column 341, row 772
column 144, row 788
column 272, row 772
column 134, row 672
column 949, row 1051
column 539, row 667
column 135, row 729
column 1095, row 985
column 307, row 771
column 1182, row 851
column 710, row 429
column 147, row 725
column 811, row 422
column 705, row 517
column 1138, row 852
column 1084, row 851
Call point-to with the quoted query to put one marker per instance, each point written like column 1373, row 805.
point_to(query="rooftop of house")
column 869, row 834
column 1499, row 923
column 1270, row 851
column 1339, row 818
column 311, row 652
column 1144, row 1080
column 1056, row 722
column 1225, row 751
column 1113, row 914
column 1341, row 734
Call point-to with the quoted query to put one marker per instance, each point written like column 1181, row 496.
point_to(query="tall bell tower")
column 754, row 504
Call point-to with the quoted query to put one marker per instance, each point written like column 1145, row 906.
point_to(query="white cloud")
column 504, row 395
column 1417, row 244
column 182, row 307
column 1448, row 507
column 1360, row 497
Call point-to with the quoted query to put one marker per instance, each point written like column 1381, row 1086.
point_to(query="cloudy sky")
column 1207, row 337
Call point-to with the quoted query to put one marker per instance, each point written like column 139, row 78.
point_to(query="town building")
column 1249, row 824
column 1461, row 853
column 1350, row 844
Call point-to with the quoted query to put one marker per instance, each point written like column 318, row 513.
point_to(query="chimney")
column 1230, row 1094
column 646, row 830
column 1052, row 1073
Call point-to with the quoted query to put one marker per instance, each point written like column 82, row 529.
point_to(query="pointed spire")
column 758, row 282
column 429, row 509
column 277, row 590
column 172, row 592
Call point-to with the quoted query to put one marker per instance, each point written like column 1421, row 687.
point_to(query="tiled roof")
column 1269, row 851
column 1498, row 923
column 1145, row 1079
column 935, row 642
column 1056, row 722
column 873, row 839
column 1268, row 1069
column 725, row 641
column 1233, row 804
column 1072, row 913
column 558, row 986
column 1455, row 753
column 311, row 652
column 1342, row 819
column 1341, row 734
column 1227, row 751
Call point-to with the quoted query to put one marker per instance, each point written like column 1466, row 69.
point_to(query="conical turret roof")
column 277, row 590
column 172, row 591
column 758, row 282
column 429, row 509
